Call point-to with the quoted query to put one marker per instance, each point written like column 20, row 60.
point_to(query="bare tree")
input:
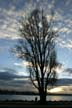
column 37, row 47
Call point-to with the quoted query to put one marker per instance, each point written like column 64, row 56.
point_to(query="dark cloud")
column 9, row 79
column 64, row 82
column 9, row 74
column 69, row 70
column 17, row 85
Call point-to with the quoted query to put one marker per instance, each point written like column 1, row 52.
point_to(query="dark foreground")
column 32, row 104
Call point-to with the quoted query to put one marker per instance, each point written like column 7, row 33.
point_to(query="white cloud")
column 60, row 69
column 23, row 64
column 64, row 43
column 9, row 20
column 65, row 30
column 8, row 27
column 69, row 45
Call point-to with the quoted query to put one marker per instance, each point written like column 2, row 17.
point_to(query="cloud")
column 18, row 85
column 65, row 30
column 12, row 14
column 9, row 79
column 23, row 63
column 8, row 29
column 64, row 72
column 60, row 68
column 68, row 44
column 9, row 17
column 68, row 70
column 64, row 42
column 9, row 74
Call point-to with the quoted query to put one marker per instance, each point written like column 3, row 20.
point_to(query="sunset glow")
column 56, row 90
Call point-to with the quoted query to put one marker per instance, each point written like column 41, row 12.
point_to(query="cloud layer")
column 9, row 79
column 11, row 12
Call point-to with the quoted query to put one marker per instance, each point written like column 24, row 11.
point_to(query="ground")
column 32, row 104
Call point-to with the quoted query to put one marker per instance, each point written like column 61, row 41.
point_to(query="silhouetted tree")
column 37, row 47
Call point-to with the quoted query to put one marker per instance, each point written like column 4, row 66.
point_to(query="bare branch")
column 38, row 47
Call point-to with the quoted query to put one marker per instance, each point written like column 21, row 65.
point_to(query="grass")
column 32, row 104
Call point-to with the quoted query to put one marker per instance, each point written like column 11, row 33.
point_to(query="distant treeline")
column 17, row 92
column 29, row 93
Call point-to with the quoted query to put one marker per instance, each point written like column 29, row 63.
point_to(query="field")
column 32, row 104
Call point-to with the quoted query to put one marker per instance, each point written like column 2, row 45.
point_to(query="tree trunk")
column 42, row 97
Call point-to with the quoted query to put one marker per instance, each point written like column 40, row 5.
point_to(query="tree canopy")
column 37, row 47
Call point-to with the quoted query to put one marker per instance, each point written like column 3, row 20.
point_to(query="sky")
column 11, row 11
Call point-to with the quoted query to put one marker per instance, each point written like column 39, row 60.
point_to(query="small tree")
column 37, row 46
